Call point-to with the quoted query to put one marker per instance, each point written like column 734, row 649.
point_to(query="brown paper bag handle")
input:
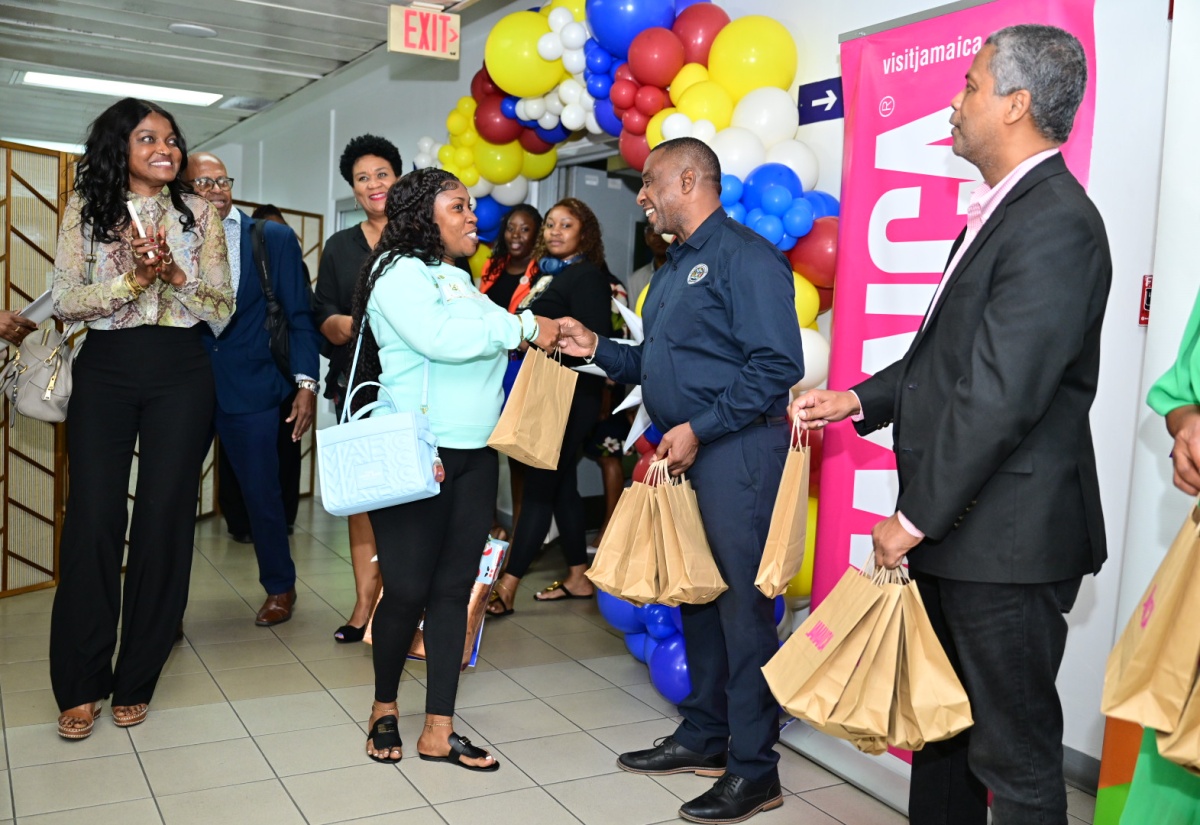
column 799, row 440
column 880, row 576
column 657, row 473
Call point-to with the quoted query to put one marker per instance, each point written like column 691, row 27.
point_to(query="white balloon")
column 816, row 359
column 437, row 147
column 574, row 60
column 520, row 110
column 554, row 104
column 739, row 151
column 535, row 107
column 676, row 125
column 704, row 130
column 548, row 120
column 587, row 101
column 593, row 125
column 569, row 91
column 560, row 18
column 796, row 156
column 587, row 27
column 550, row 46
column 481, row 189
column 425, row 145
column 573, row 36
column 769, row 113
column 423, row 160
column 573, row 116
column 511, row 193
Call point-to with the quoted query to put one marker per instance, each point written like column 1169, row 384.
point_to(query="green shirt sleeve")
column 1180, row 385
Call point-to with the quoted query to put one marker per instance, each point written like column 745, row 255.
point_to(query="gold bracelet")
column 135, row 286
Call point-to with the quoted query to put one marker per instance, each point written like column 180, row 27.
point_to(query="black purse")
column 276, row 324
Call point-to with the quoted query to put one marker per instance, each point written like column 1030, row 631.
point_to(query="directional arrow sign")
column 420, row 31
column 821, row 101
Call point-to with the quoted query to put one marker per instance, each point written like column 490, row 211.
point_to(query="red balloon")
column 696, row 27
column 815, row 255
column 634, row 122
column 620, row 112
column 482, row 86
column 491, row 123
column 530, row 142
column 643, row 466
column 623, row 72
column 622, row 93
column 826, row 300
column 642, row 445
column 650, row 100
column 634, row 149
column 656, row 56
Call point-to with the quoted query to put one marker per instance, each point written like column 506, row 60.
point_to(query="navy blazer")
column 246, row 376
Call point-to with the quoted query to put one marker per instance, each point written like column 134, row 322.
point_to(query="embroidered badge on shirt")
column 697, row 274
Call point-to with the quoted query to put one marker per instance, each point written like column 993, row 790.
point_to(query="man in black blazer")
column 999, row 508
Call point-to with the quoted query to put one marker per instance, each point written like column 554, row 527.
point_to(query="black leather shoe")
column 733, row 799
column 668, row 756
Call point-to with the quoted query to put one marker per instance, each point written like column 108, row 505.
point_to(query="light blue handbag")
column 379, row 457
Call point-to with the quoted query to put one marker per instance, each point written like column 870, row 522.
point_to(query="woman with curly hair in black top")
column 428, row 332
column 143, row 377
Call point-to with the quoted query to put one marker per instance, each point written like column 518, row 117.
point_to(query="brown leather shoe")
column 276, row 609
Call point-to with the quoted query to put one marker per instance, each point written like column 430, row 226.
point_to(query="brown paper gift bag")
column 639, row 582
column 783, row 554
column 903, row 729
column 612, row 556
column 534, row 419
column 687, row 571
column 1182, row 745
column 1150, row 672
column 809, row 673
column 938, row 699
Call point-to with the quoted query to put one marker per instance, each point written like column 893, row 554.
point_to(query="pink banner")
column 904, row 196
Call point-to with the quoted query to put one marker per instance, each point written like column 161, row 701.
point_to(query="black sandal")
column 506, row 609
column 461, row 746
column 385, row 736
column 348, row 633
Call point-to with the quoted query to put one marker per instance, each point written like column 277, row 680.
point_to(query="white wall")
column 287, row 156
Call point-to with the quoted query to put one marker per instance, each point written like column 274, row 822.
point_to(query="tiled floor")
column 254, row 725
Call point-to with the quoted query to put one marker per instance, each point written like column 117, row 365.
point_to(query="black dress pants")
column 149, row 387
column 229, row 491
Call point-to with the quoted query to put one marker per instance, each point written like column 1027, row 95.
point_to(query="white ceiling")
column 263, row 52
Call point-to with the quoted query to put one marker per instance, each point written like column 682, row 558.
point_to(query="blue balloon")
column 653, row 435
column 658, row 621
column 598, row 85
column 635, row 643
column 767, row 175
column 488, row 212
column 556, row 135
column 598, row 60
column 770, row 227
column 776, row 200
column 680, row 5
column 648, row 647
column 508, row 107
column 590, row 45
column 737, row 212
column 607, row 118
column 780, row 607
column 786, row 242
column 528, row 124
column 677, row 618
column 731, row 190
column 618, row 613
column 669, row 669
column 752, row 216
column 799, row 217
column 487, row 235
column 824, row 204
column 639, row 613
column 616, row 22
column 614, row 68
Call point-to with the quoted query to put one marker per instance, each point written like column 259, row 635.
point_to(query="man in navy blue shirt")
column 721, row 350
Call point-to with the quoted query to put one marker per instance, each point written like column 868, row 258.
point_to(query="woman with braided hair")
column 413, row 308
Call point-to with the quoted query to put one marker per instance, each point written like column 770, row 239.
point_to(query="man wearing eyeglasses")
column 250, row 385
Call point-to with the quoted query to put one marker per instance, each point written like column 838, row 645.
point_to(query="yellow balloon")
column 446, row 154
column 576, row 7
column 469, row 137
column 499, row 164
column 808, row 300
column 536, row 167
column 452, row 168
column 801, row 584
column 654, row 135
column 479, row 260
column 466, row 105
column 456, row 123
column 512, row 59
column 641, row 300
column 469, row 176
column 814, row 325
column 752, row 52
column 707, row 100
column 463, row 157
column 688, row 76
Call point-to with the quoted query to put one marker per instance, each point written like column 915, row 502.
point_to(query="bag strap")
column 262, row 262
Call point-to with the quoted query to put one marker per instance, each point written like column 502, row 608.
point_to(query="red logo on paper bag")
column 1148, row 607
column 820, row 635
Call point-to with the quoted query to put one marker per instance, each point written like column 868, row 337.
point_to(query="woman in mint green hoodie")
column 414, row 306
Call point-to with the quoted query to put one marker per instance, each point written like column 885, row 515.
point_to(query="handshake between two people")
column 565, row 334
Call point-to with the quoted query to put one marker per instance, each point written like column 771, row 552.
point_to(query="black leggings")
column 429, row 554
column 555, row 493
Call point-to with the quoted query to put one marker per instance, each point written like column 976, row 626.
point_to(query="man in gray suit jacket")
column 999, row 509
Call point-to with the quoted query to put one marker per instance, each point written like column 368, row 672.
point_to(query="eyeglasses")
column 204, row 184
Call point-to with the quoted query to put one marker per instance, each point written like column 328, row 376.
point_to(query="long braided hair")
column 410, row 233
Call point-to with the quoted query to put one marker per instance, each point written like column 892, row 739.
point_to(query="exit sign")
column 414, row 30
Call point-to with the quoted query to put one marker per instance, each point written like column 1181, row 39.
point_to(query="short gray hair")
column 1047, row 62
